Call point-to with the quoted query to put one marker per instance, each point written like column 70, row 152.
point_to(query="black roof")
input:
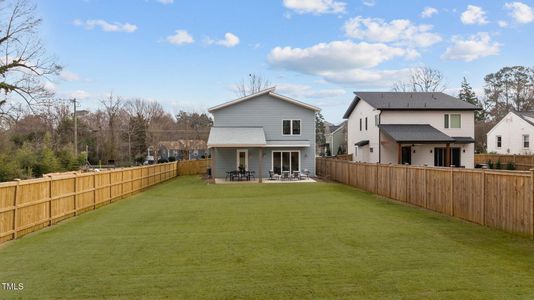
column 415, row 133
column 362, row 143
column 525, row 115
column 409, row 101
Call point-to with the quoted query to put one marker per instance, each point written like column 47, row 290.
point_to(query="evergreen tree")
column 320, row 138
column 468, row 95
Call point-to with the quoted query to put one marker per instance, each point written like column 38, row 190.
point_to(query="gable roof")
column 409, row 101
column 528, row 116
column 270, row 92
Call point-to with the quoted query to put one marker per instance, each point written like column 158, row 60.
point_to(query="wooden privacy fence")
column 193, row 167
column 29, row 205
column 521, row 162
column 497, row 199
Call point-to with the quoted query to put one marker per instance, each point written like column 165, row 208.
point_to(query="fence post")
column 122, row 183
column 94, row 190
column 49, row 200
column 484, row 197
column 425, row 188
column 348, row 172
column 16, row 205
column 110, row 187
column 376, row 178
column 532, row 203
column 451, row 196
column 75, row 194
column 389, row 180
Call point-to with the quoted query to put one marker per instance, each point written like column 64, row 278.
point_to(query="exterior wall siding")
column 361, row 111
column 511, row 129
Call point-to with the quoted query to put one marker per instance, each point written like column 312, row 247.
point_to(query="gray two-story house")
column 263, row 132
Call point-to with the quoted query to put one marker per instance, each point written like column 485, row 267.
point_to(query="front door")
column 242, row 159
column 407, row 155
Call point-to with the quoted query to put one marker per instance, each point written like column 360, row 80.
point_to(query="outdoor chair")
column 296, row 175
column 305, row 174
column 250, row 175
column 285, row 175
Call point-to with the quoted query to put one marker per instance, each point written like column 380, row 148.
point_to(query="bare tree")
column 24, row 64
column 422, row 79
column 254, row 84
column 112, row 108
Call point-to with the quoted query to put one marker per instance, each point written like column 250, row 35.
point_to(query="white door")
column 242, row 159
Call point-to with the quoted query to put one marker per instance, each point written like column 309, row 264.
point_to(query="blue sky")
column 189, row 54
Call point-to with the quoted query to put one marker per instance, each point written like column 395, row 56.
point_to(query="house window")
column 290, row 127
column 295, row 127
column 499, row 141
column 526, row 141
column 366, row 123
column 371, row 149
column 360, row 124
column 452, row 121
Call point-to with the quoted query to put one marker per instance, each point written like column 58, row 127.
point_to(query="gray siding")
column 267, row 112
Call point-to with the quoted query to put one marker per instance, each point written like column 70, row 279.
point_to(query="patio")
column 265, row 180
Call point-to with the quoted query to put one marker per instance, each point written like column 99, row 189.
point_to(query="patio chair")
column 250, row 175
column 296, row 175
column 285, row 175
column 305, row 174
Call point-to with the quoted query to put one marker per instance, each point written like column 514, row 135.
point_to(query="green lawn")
column 186, row 239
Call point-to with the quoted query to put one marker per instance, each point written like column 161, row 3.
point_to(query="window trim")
column 281, row 159
column 447, row 121
column 291, row 127
column 498, row 140
column 528, row 141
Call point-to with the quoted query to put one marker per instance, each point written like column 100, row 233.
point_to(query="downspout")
column 379, row 145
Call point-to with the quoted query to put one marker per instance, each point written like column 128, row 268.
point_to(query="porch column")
column 399, row 153
column 213, row 163
column 447, row 155
column 260, row 168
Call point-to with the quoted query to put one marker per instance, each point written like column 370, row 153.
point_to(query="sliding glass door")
column 287, row 160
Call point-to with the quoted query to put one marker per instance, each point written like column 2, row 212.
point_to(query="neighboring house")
column 416, row 128
column 336, row 140
column 512, row 134
column 261, row 132
column 183, row 149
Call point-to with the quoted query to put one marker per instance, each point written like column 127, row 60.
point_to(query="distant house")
column 336, row 140
column 512, row 134
column 262, row 132
column 183, row 149
column 431, row 129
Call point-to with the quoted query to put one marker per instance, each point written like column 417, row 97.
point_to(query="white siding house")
column 431, row 129
column 513, row 134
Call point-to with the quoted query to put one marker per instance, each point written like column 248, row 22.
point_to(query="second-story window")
column 452, row 121
column 526, row 141
column 290, row 127
column 366, row 123
column 499, row 141
column 360, row 124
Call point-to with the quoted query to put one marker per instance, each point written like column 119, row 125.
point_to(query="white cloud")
column 316, row 7
column 472, row 48
column 68, row 75
column 301, row 91
column 180, row 37
column 400, row 30
column 369, row 2
column 78, row 94
column 520, row 12
column 502, row 24
column 106, row 26
column 166, row 1
column 343, row 62
column 50, row 87
column 428, row 12
column 336, row 55
column 474, row 15
column 230, row 40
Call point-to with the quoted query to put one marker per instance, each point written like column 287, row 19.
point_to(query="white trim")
column 281, row 160
column 291, row 127
column 269, row 91
column 236, row 145
column 237, row 158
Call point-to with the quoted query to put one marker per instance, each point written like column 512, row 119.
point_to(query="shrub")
column 47, row 162
column 172, row 158
column 510, row 166
column 490, row 164
column 162, row 160
column 9, row 168
column 498, row 165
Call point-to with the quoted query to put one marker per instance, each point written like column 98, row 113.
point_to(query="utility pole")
column 75, row 129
